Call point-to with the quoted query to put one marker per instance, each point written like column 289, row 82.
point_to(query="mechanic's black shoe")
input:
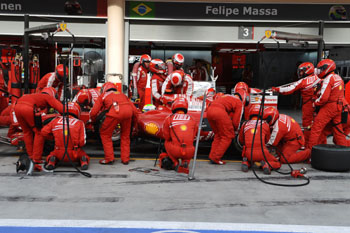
column 51, row 164
column 84, row 163
column 106, row 162
column 265, row 167
column 245, row 165
column 125, row 162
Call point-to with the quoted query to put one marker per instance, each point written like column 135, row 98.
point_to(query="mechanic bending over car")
column 76, row 139
column 178, row 82
column 224, row 128
column 119, row 110
column 179, row 131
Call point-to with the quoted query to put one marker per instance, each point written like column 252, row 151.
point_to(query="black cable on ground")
column 262, row 143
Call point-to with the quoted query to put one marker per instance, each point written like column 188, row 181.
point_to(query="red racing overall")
column 76, row 139
column 331, row 104
column 306, row 87
column 223, row 126
column 288, row 137
column 179, row 131
column 246, row 135
column 24, row 110
column 121, row 111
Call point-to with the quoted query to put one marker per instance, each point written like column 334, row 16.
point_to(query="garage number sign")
column 245, row 32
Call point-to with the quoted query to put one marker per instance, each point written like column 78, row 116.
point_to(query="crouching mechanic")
column 179, row 131
column 256, row 151
column 288, row 137
column 119, row 111
column 223, row 126
column 76, row 139
column 24, row 110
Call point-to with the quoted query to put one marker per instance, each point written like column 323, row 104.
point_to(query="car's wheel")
column 333, row 158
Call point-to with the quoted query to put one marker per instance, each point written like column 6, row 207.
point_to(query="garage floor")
column 220, row 198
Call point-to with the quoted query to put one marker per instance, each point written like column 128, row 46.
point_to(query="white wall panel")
column 78, row 29
column 224, row 34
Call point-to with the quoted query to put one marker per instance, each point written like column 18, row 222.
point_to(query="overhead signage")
column 236, row 11
column 54, row 7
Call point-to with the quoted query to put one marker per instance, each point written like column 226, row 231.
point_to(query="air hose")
column 293, row 173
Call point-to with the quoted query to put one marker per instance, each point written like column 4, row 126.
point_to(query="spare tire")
column 333, row 158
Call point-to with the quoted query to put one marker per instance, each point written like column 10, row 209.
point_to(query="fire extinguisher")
column 15, row 78
column 34, row 74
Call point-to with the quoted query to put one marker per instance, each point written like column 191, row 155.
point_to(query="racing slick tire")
column 333, row 158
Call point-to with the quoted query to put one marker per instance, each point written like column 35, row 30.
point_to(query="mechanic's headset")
column 247, row 98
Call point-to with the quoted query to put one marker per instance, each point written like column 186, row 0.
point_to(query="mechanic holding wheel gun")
column 74, row 135
column 179, row 131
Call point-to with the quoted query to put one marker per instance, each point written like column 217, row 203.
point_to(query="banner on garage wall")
column 233, row 11
column 55, row 7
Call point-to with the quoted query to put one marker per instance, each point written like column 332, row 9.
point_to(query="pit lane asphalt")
column 141, row 192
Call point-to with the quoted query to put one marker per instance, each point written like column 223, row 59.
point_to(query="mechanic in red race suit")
column 256, row 151
column 84, row 99
column 53, row 79
column 75, row 137
column 119, row 111
column 306, row 84
column 223, row 126
column 24, row 110
column 158, row 69
column 140, row 77
column 179, row 130
column 178, row 83
column 176, row 63
column 330, row 103
column 288, row 137
column 241, row 89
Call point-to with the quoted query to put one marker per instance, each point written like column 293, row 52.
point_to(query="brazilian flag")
column 142, row 9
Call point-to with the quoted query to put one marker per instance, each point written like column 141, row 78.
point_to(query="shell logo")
column 252, row 131
column 151, row 128
column 293, row 120
column 183, row 127
column 340, row 87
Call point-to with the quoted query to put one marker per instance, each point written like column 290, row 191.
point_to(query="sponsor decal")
column 183, row 127
column 151, row 128
column 252, row 131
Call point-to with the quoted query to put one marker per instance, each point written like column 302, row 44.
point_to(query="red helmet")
column 84, row 97
column 218, row 95
column 211, row 92
column 60, row 71
column 254, row 111
column 157, row 66
column 179, row 104
column 74, row 109
column 305, row 69
column 107, row 87
column 145, row 58
column 241, row 86
column 178, row 59
column 271, row 115
column 50, row 91
column 176, row 77
column 325, row 67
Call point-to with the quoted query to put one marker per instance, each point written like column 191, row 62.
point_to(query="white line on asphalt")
column 170, row 225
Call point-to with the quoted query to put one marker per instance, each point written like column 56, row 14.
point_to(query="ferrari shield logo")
column 63, row 26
